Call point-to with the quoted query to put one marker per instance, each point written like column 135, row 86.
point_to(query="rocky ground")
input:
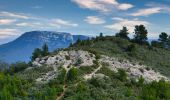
column 134, row 70
column 68, row 59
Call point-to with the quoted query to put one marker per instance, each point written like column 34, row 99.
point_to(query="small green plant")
column 121, row 74
column 61, row 76
column 141, row 80
column 131, row 48
column 72, row 74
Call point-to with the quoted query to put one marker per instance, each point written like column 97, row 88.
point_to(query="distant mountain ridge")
column 21, row 49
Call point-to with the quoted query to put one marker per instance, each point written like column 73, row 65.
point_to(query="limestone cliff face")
column 21, row 49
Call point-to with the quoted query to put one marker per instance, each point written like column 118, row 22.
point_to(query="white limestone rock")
column 133, row 70
column 67, row 58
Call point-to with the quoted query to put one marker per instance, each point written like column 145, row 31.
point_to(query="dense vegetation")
column 116, row 86
column 18, row 81
column 40, row 52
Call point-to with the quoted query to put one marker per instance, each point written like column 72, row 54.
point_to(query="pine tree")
column 45, row 51
column 78, row 41
column 71, row 45
column 123, row 33
column 140, row 34
column 163, row 38
column 37, row 53
column 101, row 35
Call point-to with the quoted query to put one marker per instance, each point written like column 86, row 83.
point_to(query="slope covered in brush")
column 156, row 58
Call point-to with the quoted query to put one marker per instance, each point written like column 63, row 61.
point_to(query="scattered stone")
column 66, row 59
column 134, row 70
column 73, row 58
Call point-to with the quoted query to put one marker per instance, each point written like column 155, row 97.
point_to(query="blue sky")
column 87, row 17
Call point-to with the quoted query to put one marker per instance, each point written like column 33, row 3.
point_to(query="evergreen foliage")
column 40, row 52
column 140, row 34
column 37, row 53
column 45, row 50
column 123, row 33
column 163, row 37
column 72, row 74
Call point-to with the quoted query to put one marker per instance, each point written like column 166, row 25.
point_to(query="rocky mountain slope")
column 21, row 49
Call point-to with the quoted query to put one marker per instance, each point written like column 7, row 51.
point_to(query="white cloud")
column 13, row 15
column 26, row 24
column 7, row 21
column 124, row 6
column 114, row 2
column 103, row 5
column 130, row 24
column 153, row 35
column 146, row 12
column 165, row 8
column 5, row 33
column 94, row 20
column 43, row 23
column 117, row 18
column 91, row 4
column 60, row 22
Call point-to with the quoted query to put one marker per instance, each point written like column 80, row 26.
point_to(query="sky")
column 85, row 17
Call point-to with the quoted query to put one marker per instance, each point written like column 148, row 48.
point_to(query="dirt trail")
column 62, row 94
column 89, row 76
column 86, row 77
column 64, row 88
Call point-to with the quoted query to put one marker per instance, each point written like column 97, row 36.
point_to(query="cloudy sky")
column 88, row 17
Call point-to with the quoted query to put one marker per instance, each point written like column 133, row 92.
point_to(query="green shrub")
column 60, row 77
column 141, row 81
column 17, row 67
column 72, row 74
column 81, row 87
column 85, row 70
column 40, row 52
column 12, row 87
column 121, row 74
column 131, row 48
column 96, row 82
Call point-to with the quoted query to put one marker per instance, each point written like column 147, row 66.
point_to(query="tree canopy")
column 140, row 34
column 40, row 52
column 163, row 37
column 123, row 33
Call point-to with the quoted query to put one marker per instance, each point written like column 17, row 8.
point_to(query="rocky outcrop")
column 65, row 59
column 134, row 70
column 68, row 59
